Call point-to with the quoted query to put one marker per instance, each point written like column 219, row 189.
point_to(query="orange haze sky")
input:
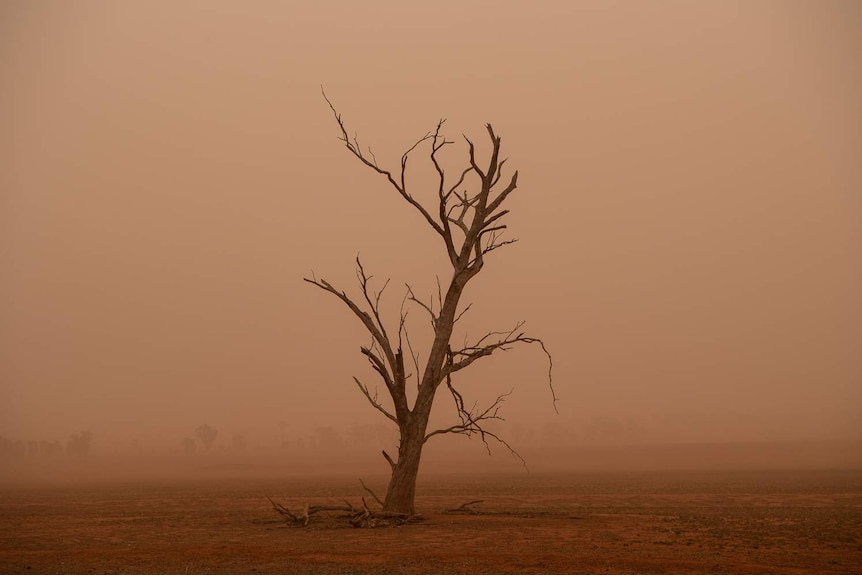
column 689, row 212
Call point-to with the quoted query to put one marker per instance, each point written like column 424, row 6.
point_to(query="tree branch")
column 472, row 422
column 392, row 369
column 374, row 304
column 412, row 297
column 505, row 340
column 363, row 316
column 373, row 400
column 354, row 148
column 389, row 459
column 368, row 489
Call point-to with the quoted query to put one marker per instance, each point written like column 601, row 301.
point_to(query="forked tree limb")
column 387, row 360
column 473, row 422
column 373, row 400
column 363, row 316
column 462, row 358
column 400, row 183
column 484, row 206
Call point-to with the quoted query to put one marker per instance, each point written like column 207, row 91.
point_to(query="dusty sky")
column 689, row 210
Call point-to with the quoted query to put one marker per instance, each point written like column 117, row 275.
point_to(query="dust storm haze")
column 689, row 215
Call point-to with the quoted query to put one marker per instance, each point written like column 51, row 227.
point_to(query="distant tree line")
column 323, row 437
column 603, row 429
column 78, row 446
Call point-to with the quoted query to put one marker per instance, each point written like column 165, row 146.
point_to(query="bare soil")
column 672, row 523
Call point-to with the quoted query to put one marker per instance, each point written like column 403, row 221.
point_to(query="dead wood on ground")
column 361, row 516
column 465, row 507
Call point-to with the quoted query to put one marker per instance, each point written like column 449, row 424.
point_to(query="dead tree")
column 471, row 226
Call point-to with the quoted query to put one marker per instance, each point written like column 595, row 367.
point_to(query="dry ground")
column 705, row 523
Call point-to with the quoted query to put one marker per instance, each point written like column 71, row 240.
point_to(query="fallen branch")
column 465, row 507
column 304, row 517
column 357, row 516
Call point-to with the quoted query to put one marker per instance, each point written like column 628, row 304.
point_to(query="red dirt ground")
column 706, row 523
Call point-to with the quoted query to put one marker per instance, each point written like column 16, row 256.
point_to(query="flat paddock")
column 603, row 523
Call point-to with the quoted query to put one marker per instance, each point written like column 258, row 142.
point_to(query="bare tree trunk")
column 402, row 484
